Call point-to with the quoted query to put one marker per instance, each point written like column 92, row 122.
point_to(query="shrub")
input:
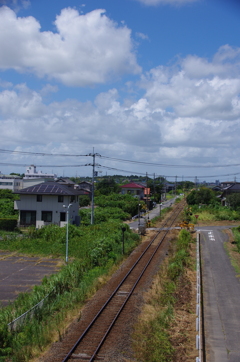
column 8, row 224
column 103, row 214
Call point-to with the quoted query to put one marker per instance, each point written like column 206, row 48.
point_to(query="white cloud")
column 5, row 84
column 91, row 51
column 197, row 88
column 189, row 112
column 142, row 36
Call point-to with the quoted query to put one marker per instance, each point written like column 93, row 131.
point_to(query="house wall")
column 13, row 184
column 48, row 203
column 132, row 191
column 34, row 181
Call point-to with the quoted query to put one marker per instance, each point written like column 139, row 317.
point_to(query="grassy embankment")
column 159, row 335
column 214, row 213
column 93, row 252
column 166, row 328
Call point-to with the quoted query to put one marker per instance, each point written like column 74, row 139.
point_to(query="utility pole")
column 196, row 182
column 154, row 183
column 93, row 176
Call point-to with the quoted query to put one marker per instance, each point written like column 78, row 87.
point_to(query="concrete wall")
column 13, row 184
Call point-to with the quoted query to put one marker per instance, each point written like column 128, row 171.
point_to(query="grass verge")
column 166, row 328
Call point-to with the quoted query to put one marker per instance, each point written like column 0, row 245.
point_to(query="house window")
column 72, row 199
column 47, row 216
column 62, row 216
column 27, row 218
column 39, row 198
column 60, row 198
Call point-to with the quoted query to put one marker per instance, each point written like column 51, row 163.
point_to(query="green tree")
column 84, row 200
column 107, row 186
column 156, row 187
column 233, row 200
column 203, row 195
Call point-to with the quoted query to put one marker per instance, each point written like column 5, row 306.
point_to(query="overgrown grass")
column 236, row 233
column 152, row 340
column 84, row 242
column 160, row 217
column 214, row 213
column 93, row 251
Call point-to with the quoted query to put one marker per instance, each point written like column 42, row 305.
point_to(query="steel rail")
column 68, row 356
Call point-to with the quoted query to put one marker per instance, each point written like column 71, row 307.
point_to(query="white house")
column 48, row 203
column 10, row 182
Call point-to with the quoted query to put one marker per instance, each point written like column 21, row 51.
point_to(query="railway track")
column 89, row 344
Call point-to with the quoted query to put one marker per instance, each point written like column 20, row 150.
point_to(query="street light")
column 67, row 230
column 123, row 230
column 139, row 215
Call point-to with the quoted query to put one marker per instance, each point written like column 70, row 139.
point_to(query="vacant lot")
column 20, row 273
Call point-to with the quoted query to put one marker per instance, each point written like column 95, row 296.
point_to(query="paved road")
column 153, row 213
column 21, row 273
column 221, row 290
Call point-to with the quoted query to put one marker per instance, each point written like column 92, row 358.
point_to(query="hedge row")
column 8, row 224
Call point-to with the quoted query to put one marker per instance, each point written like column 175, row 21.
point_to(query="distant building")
column 31, row 173
column 134, row 189
column 10, row 182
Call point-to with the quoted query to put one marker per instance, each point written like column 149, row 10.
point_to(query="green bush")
column 103, row 214
column 236, row 233
column 203, row 195
column 92, row 251
column 127, row 203
column 8, row 224
column 84, row 200
column 214, row 213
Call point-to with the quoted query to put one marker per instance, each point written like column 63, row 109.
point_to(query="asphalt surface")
column 150, row 215
column 221, row 291
column 20, row 273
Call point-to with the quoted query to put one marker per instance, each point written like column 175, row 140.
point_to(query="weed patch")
column 159, row 337
column 93, row 252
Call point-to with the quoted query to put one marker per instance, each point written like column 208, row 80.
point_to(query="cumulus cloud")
column 16, row 4
column 197, row 87
column 93, row 50
column 188, row 112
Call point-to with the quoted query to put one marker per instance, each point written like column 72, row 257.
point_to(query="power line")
column 117, row 159
column 112, row 168
column 41, row 153
column 167, row 165
column 45, row 166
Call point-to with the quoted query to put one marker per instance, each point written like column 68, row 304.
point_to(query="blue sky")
column 155, row 82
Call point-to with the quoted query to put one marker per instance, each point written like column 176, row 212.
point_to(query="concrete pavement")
column 221, row 290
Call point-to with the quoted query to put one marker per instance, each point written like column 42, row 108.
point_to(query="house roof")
column 65, row 181
column 235, row 186
column 133, row 185
column 48, row 188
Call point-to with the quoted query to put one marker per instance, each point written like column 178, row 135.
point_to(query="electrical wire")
column 118, row 160
column 167, row 165
column 45, row 166
column 42, row 153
